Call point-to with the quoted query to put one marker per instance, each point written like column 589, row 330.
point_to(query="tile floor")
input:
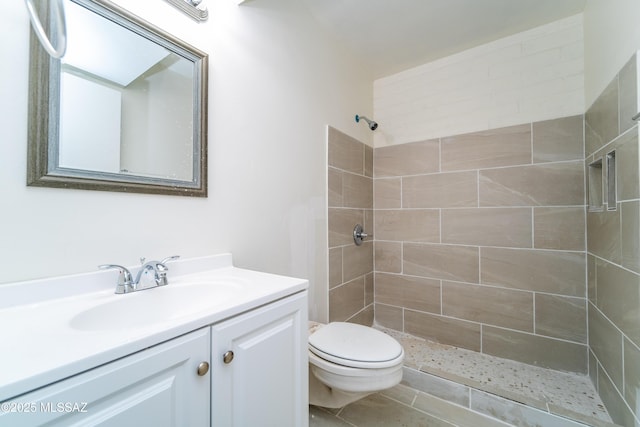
column 494, row 384
column 375, row 410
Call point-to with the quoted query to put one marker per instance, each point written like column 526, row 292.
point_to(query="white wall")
column 530, row 76
column 92, row 143
column 276, row 80
column 150, row 149
column 611, row 37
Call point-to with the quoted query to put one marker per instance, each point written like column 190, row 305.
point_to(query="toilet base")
column 333, row 384
column 322, row 395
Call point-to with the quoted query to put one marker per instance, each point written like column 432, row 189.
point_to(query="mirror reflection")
column 126, row 105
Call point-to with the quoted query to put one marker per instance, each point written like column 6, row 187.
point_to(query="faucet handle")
column 162, row 270
column 170, row 258
column 125, row 279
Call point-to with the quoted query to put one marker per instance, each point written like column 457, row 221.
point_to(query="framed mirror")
column 125, row 109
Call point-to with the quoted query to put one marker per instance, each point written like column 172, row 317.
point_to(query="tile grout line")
column 441, row 292
column 622, row 368
column 440, row 226
column 534, row 313
column 531, row 136
column 480, row 168
column 477, row 188
column 533, row 225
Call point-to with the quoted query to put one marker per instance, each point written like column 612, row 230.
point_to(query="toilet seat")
column 355, row 346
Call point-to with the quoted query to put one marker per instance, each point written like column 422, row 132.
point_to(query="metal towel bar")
column 60, row 26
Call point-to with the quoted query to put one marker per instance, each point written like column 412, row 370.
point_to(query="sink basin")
column 156, row 305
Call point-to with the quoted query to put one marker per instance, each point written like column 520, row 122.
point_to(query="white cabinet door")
column 156, row 387
column 266, row 382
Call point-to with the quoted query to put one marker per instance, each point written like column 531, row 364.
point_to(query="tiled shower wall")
column 480, row 243
column 349, row 173
column 613, row 234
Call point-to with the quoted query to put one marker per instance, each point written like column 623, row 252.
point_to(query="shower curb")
column 496, row 404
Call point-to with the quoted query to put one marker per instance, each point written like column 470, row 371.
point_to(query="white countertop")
column 41, row 342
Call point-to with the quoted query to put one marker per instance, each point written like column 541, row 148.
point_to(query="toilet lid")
column 355, row 345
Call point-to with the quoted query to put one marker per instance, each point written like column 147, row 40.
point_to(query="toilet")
column 348, row 361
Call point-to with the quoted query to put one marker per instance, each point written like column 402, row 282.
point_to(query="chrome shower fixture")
column 372, row 125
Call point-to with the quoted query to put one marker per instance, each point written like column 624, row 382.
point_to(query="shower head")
column 372, row 125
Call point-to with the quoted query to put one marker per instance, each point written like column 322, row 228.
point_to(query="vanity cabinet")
column 159, row 386
column 259, row 366
column 249, row 370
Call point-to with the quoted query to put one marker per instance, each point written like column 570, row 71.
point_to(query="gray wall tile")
column 603, row 231
column 549, row 184
column 368, row 161
column 628, row 178
column 407, row 159
column 346, row 300
column 357, row 191
column 335, row 187
column 406, row 291
column 387, row 193
column 592, row 141
column 602, row 119
column 388, row 256
column 430, row 225
column 369, row 294
column 593, row 369
column 606, row 343
column 350, row 202
column 335, row 267
column 345, row 152
column 554, row 272
column 446, row 330
column 389, row 317
column 558, row 139
column 561, row 317
column 449, row 262
column 364, row 317
column 341, row 223
column 630, row 229
column 559, row 228
column 615, row 404
column 444, row 190
column 618, row 297
column 500, row 147
column 490, row 305
column 368, row 223
column 509, row 227
column 632, row 375
column 534, row 349
column 357, row 260
column 628, row 88
column 415, row 225
column 591, row 278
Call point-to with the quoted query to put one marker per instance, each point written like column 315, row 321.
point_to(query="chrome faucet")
column 125, row 280
column 150, row 275
column 162, row 270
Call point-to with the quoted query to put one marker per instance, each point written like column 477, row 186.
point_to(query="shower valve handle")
column 359, row 235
